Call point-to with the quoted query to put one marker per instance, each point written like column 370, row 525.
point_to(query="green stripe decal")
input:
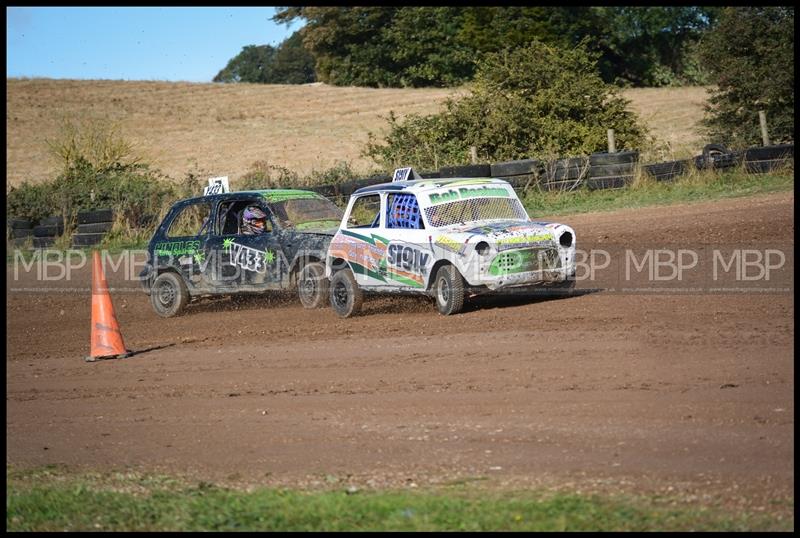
column 371, row 239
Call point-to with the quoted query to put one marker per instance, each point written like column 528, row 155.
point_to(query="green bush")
column 533, row 101
column 750, row 54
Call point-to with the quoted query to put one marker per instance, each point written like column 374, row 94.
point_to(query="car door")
column 408, row 256
column 245, row 262
column 185, row 242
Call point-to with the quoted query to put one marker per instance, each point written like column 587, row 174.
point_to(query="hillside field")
column 222, row 129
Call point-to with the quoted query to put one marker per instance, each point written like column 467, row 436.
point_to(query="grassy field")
column 52, row 499
column 219, row 129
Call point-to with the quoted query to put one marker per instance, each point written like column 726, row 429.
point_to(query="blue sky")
column 134, row 43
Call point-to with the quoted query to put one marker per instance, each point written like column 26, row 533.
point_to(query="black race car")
column 209, row 246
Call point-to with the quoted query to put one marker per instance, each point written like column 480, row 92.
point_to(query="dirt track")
column 636, row 392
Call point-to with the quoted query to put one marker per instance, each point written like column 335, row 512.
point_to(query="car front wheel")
column 448, row 290
column 169, row 295
column 312, row 286
column 345, row 295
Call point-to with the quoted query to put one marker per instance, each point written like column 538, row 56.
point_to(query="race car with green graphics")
column 446, row 238
column 241, row 242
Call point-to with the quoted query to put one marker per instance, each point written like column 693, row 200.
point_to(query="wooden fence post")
column 612, row 147
column 762, row 118
column 473, row 154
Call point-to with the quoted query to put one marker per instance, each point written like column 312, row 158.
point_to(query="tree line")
column 744, row 53
column 439, row 46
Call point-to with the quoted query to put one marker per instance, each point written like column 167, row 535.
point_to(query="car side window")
column 231, row 216
column 191, row 221
column 366, row 212
column 402, row 211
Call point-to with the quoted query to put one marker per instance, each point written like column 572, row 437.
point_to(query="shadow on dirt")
column 380, row 304
column 486, row 302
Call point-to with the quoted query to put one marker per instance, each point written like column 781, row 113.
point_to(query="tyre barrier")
column 19, row 224
column 92, row 227
column 611, row 170
column 565, row 169
column 98, row 215
column 95, row 227
column 767, row 158
column 667, row 171
column 619, row 157
column 87, row 239
column 21, row 233
column 48, row 231
column 524, row 167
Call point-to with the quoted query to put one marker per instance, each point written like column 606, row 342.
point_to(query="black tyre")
column 52, row 221
column 667, row 171
column 85, row 240
column 768, row 153
column 312, row 286
column 448, row 290
column 515, row 168
column 95, row 227
column 611, row 182
column 470, row 170
column 620, row 157
column 21, row 233
column 565, row 185
column 519, row 181
column 19, row 224
column 20, row 242
column 99, row 215
column 566, row 169
column 48, row 231
column 605, row 170
column 345, row 295
column 169, row 295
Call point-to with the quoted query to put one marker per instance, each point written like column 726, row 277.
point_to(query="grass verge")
column 693, row 187
column 51, row 500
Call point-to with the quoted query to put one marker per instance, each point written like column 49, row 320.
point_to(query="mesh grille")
column 404, row 212
column 475, row 209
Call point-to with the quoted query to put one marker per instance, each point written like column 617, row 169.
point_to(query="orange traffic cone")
column 106, row 338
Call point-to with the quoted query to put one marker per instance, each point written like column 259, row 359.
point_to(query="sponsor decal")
column 279, row 195
column 407, row 257
column 450, row 244
column 465, row 193
column 177, row 248
column 248, row 258
column 523, row 240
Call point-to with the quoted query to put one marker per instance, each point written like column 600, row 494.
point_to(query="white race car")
column 443, row 237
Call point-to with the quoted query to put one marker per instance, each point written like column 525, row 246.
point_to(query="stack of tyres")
column 611, row 170
column 44, row 235
column 519, row 174
column 20, row 232
column 564, row 174
column 668, row 171
column 92, row 227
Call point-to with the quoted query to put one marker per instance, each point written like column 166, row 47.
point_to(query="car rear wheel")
column 169, row 295
column 448, row 290
column 312, row 286
column 346, row 297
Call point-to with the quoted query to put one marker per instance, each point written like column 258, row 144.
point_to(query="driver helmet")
column 254, row 220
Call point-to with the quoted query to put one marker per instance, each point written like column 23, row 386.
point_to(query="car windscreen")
column 475, row 209
column 307, row 213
